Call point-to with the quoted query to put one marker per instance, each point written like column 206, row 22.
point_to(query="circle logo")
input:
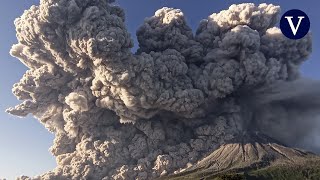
column 295, row 24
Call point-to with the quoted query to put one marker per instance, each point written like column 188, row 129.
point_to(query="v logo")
column 295, row 24
column 294, row 29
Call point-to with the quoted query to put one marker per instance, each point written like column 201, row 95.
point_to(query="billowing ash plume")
column 119, row 115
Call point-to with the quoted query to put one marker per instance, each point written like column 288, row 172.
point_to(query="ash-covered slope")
column 254, row 150
column 250, row 151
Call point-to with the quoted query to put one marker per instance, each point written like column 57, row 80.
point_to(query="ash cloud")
column 289, row 112
column 119, row 115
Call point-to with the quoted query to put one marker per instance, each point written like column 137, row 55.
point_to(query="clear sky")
column 24, row 143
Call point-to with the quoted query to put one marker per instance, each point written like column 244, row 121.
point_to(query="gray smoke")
column 289, row 112
column 119, row 115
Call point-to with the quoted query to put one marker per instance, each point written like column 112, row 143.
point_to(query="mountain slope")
column 251, row 156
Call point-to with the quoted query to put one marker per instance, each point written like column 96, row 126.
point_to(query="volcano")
column 180, row 101
column 254, row 156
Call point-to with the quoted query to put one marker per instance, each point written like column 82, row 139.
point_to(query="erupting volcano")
column 228, row 96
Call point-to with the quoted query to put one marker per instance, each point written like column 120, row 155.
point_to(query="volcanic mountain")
column 254, row 156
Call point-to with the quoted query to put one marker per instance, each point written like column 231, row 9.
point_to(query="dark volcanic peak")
column 253, row 137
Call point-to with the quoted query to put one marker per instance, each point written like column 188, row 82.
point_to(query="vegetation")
column 309, row 170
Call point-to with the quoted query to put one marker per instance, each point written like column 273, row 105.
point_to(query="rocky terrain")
column 254, row 156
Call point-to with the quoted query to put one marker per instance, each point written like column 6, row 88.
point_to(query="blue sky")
column 24, row 143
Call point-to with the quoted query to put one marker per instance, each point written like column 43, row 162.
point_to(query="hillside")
column 254, row 156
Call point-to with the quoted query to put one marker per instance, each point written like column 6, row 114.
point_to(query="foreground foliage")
column 308, row 170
